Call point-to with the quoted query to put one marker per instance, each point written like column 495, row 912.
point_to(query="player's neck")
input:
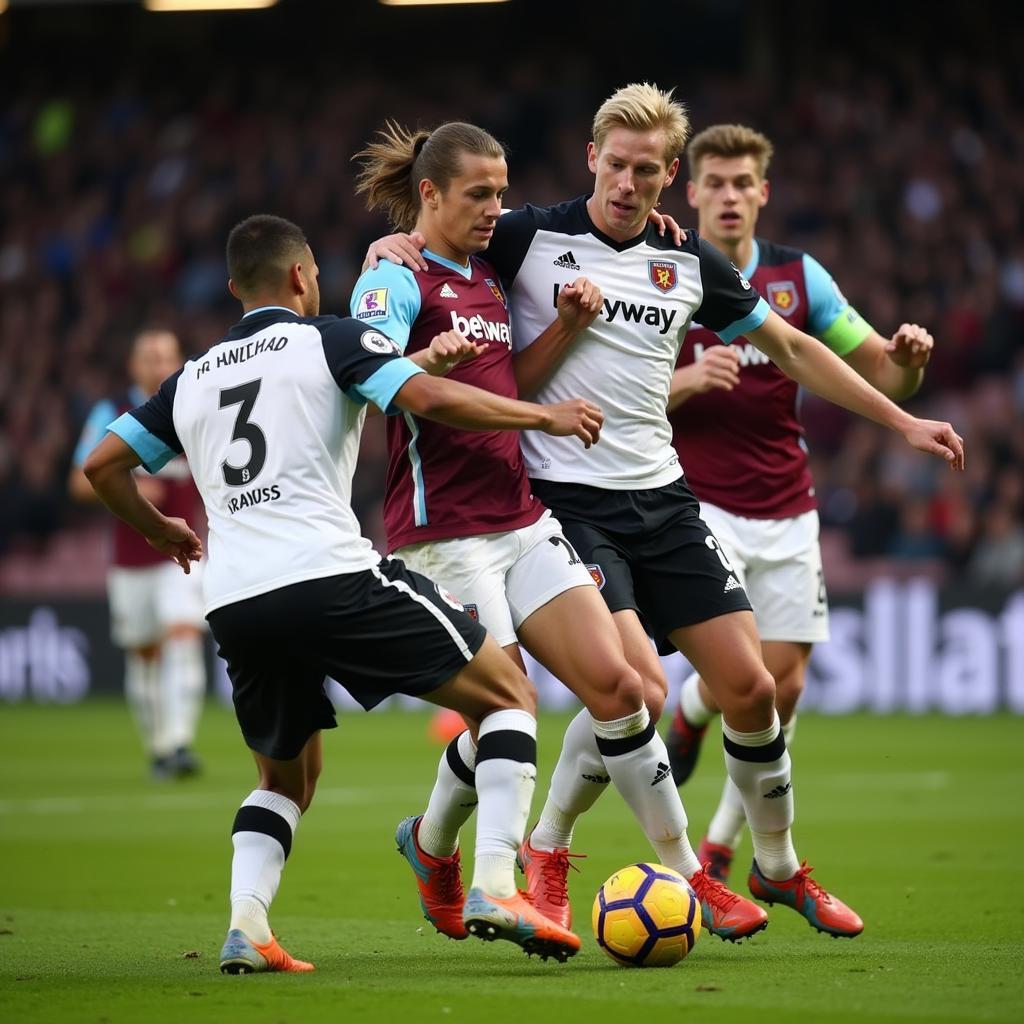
column 440, row 246
column 739, row 252
column 273, row 301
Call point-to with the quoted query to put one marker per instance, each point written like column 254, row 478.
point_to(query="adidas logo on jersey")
column 447, row 292
column 778, row 791
column 663, row 772
column 731, row 584
column 566, row 261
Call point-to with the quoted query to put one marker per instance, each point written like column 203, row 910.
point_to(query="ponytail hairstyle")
column 394, row 164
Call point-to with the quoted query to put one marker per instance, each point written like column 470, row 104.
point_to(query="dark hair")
column 399, row 159
column 261, row 249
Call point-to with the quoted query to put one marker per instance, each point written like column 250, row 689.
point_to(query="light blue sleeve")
column 102, row 414
column 387, row 299
column 830, row 317
column 149, row 448
column 750, row 322
column 382, row 386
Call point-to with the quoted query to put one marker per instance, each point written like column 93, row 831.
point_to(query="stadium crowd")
column 905, row 179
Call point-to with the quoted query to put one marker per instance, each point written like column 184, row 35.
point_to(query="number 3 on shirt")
column 244, row 396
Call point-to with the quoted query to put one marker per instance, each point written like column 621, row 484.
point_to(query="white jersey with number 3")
column 270, row 420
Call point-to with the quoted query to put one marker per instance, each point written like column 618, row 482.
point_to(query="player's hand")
column 447, row 350
column 152, row 489
column 400, row 248
column 663, row 222
column 718, row 367
column 579, row 304
column 575, row 418
column 910, row 346
column 937, row 438
column 179, row 542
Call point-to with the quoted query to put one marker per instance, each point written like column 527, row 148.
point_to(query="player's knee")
column 621, row 695
column 751, row 694
column 512, row 690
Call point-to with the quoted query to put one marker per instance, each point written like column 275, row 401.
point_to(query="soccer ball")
column 646, row 915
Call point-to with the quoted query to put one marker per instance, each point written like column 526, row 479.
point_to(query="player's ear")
column 592, row 157
column 429, row 193
column 296, row 279
column 673, row 170
column 765, row 192
column 691, row 193
column 233, row 288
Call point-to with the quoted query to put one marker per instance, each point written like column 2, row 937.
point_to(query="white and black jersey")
column 272, row 444
column 652, row 290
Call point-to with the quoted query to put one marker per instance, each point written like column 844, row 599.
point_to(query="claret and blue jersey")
column 743, row 450
column 443, row 482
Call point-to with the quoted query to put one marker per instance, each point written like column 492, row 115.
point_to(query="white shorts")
column 502, row 578
column 146, row 601
column 778, row 561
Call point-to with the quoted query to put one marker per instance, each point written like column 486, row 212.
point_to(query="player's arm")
column 820, row 370
column 469, row 408
column 108, row 470
column 578, row 305
column 895, row 366
column 718, row 367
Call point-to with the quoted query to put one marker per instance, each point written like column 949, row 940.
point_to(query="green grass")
column 113, row 888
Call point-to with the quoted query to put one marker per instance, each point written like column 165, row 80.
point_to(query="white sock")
column 183, row 685
column 262, row 839
column 506, row 772
column 637, row 761
column 695, row 711
column 758, row 763
column 142, row 689
column 452, row 800
column 726, row 827
column 579, row 778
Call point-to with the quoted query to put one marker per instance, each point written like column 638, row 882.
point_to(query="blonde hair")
column 644, row 107
column 399, row 159
column 729, row 140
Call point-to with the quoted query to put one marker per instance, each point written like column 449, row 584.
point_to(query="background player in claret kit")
column 156, row 612
column 624, row 506
column 459, row 508
column 270, row 418
column 753, row 480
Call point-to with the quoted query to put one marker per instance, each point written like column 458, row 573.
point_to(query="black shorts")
column 378, row 632
column 648, row 550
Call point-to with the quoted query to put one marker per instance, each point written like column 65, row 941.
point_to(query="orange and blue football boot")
column 439, row 880
column 515, row 919
column 822, row 910
column 240, row 955
column 725, row 913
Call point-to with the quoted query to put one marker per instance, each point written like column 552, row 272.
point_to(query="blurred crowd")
column 905, row 178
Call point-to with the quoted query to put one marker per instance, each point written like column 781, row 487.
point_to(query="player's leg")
column 280, row 704
column 135, row 628
column 493, row 691
column 726, row 652
column 261, row 836
column 787, row 663
column 179, row 605
column 439, row 653
column 740, row 545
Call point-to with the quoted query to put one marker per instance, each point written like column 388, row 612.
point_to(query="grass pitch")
column 113, row 889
